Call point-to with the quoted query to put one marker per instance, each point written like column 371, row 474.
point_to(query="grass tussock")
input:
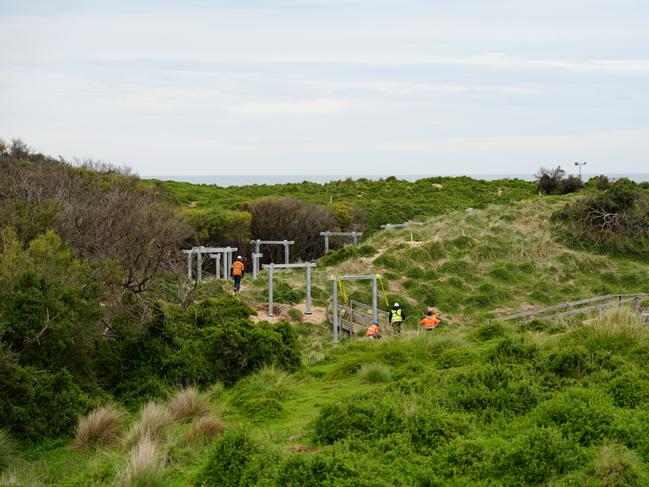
column 188, row 404
column 206, row 427
column 152, row 423
column 375, row 373
column 145, row 465
column 100, row 427
column 618, row 321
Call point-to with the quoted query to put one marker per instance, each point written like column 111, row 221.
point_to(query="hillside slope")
column 556, row 403
column 482, row 265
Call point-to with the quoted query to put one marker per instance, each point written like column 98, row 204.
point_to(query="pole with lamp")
column 579, row 164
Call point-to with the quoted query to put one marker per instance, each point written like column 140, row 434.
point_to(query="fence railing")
column 356, row 316
column 572, row 308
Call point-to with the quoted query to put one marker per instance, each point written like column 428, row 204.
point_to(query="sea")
column 245, row 180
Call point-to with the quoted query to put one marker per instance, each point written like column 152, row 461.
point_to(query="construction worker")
column 237, row 270
column 396, row 317
column 374, row 331
column 430, row 321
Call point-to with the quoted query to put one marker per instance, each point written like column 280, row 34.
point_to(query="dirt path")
column 280, row 312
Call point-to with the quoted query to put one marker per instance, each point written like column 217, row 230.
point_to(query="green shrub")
column 295, row 315
column 534, row 457
column 284, row 293
column 374, row 373
column 228, row 459
column 429, row 427
column 628, row 390
column 36, row 404
column 574, row 362
column 363, row 416
column 517, row 350
column 489, row 331
column 457, row 357
column 582, row 415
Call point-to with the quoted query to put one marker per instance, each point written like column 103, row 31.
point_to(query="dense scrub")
column 389, row 200
column 615, row 220
column 525, row 409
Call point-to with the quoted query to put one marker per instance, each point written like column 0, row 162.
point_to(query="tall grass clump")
column 100, row 427
column 375, row 373
column 617, row 465
column 206, row 427
column 188, row 404
column 145, row 464
column 614, row 329
column 153, row 423
column 6, row 449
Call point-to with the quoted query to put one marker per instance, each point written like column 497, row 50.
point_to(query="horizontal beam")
column 273, row 242
column 342, row 234
column 210, row 250
column 356, row 278
column 301, row 265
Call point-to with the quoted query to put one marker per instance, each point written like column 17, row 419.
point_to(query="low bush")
column 101, row 427
column 260, row 396
column 348, row 252
column 37, row 404
column 284, row 293
column 363, row 416
column 188, row 404
column 534, row 457
column 582, row 415
column 628, row 390
column 573, row 362
column 374, row 373
column 228, row 459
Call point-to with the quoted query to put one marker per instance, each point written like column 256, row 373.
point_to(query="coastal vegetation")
column 117, row 370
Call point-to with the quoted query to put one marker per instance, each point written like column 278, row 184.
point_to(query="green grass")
column 554, row 403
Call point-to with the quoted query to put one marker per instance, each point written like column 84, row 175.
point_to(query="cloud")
column 297, row 106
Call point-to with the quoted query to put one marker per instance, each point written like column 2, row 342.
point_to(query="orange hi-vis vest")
column 237, row 268
column 430, row 322
column 373, row 330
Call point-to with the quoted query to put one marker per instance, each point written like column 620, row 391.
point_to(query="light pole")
column 579, row 164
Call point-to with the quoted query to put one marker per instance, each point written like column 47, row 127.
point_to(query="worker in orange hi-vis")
column 374, row 331
column 238, row 268
column 430, row 321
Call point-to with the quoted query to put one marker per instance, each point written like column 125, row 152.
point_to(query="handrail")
column 573, row 304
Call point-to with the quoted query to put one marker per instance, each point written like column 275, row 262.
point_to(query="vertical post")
column 636, row 300
column 257, row 244
column 229, row 260
column 189, row 264
column 199, row 270
column 270, row 289
column 254, row 265
column 355, row 237
column 308, row 289
column 375, row 314
column 217, row 259
column 335, row 310
column 286, row 259
column 224, row 261
column 326, row 236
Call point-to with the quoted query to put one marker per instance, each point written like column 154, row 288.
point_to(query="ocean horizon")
column 245, row 180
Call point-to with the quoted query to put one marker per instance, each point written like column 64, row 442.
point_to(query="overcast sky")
column 330, row 86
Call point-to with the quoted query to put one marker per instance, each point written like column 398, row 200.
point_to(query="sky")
column 306, row 87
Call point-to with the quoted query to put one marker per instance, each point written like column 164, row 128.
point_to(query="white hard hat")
column 396, row 305
column 239, row 257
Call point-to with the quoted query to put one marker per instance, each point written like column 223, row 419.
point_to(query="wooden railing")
column 356, row 317
column 573, row 308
